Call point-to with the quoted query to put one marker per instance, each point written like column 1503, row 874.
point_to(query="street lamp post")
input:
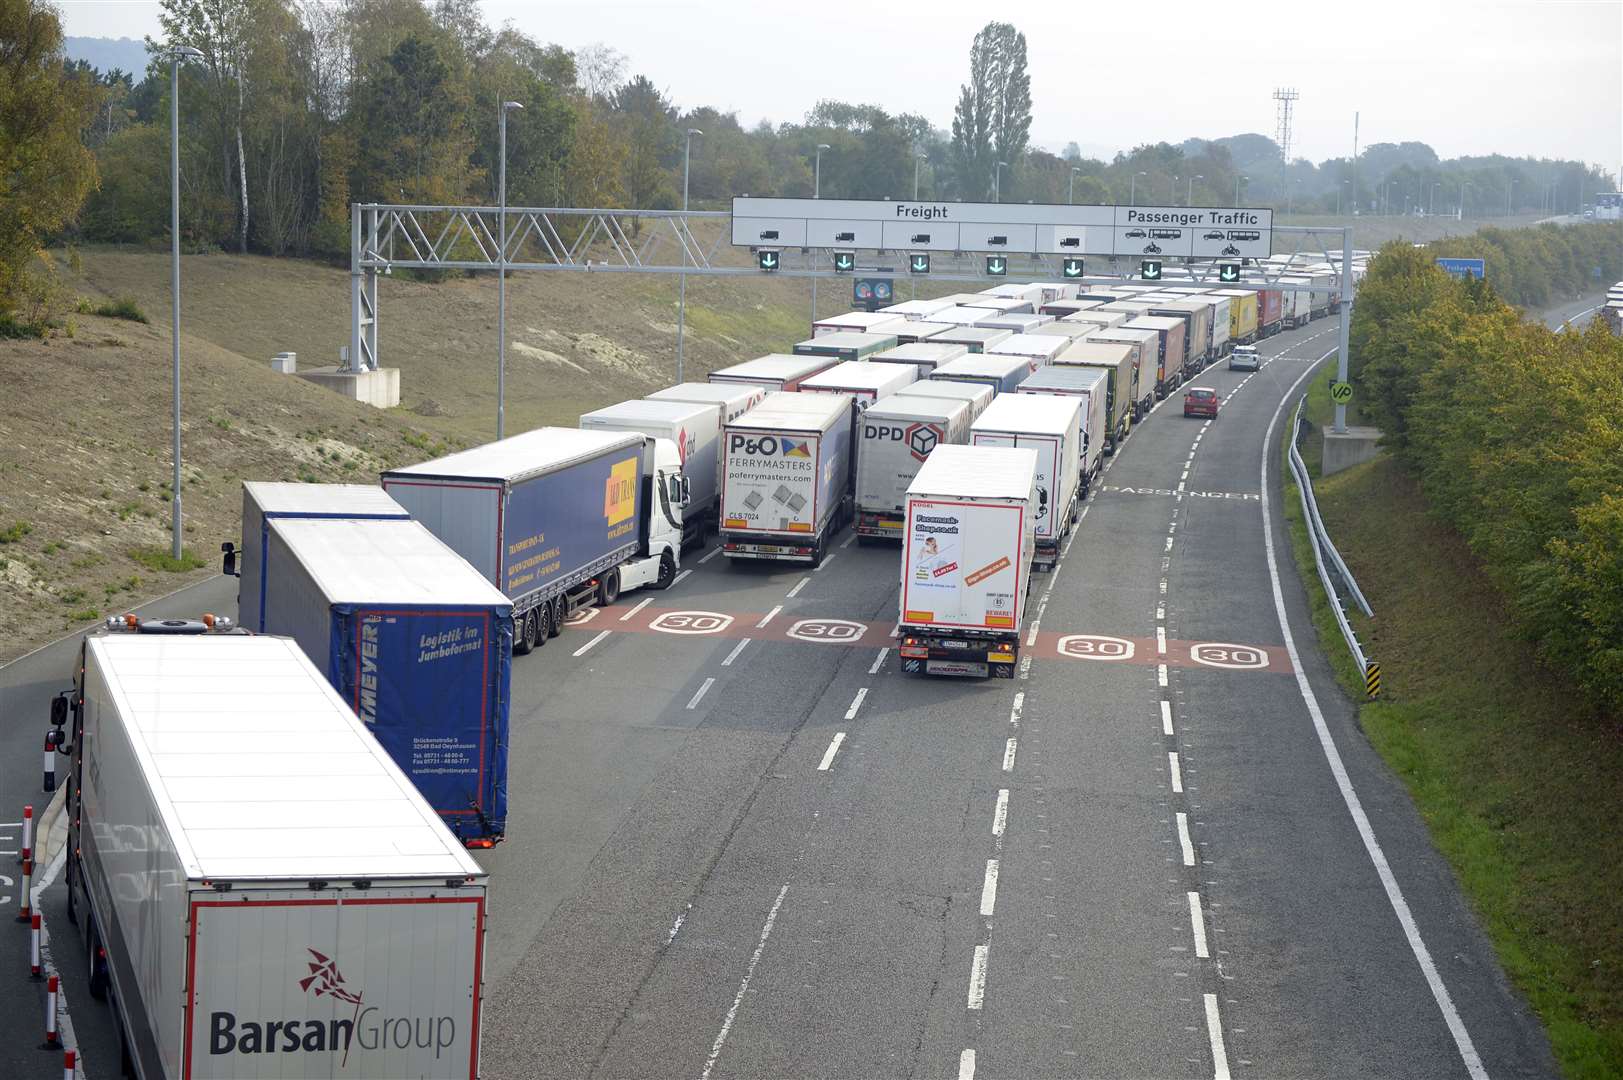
column 1510, row 193
column 817, row 193
column 501, row 272
column 682, row 280
column 1237, row 180
column 1431, row 199
column 1172, row 190
column 997, row 177
column 177, row 53
column 1132, row 188
column 1070, row 196
column 1190, row 201
column 918, row 158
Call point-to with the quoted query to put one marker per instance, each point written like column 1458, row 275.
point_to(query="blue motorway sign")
column 1463, row 268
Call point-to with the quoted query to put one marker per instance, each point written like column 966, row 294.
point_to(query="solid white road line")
column 989, row 889
column 966, row 1065
column 743, row 987
column 1184, row 841
column 712, row 554
column 856, row 703
column 833, row 748
column 801, row 584
column 1161, row 640
column 879, row 661
column 703, row 689
column 644, row 602
column 1000, row 813
column 1161, row 675
column 734, row 654
column 1166, row 715
column 1177, row 773
column 1214, row 1031
column 977, row 978
column 1355, row 807
column 1197, row 923
column 1008, row 754
column 768, row 617
column 677, row 580
column 601, row 635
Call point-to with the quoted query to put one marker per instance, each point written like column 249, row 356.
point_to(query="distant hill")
column 105, row 54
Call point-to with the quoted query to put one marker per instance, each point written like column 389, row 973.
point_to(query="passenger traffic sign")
column 844, row 262
column 997, row 265
column 1071, row 268
column 1228, row 272
column 1340, row 392
column 919, row 264
column 1150, row 269
column 767, row 260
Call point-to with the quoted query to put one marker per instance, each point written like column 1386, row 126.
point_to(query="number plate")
column 955, row 667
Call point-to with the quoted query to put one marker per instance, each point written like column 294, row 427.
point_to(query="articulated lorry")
column 1119, row 363
column 974, row 338
column 844, row 345
column 786, row 477
column 859, row 321
column 694, row 428
column 1170, row 350
column 556, row 518
column 1037, row 349
column 1016, row 324
column 1242, row 316
column 915, row 330
column 1089, row 385
column 978, row 395
column 865, row 382
column 776, row 371
column 1146, row 344
column 735, row 399
column 416, row 642
column 895, row 437
column 1052, row 426
column 967, row 551
column 264, row 502
column 259, row 887
column 1000, row 372
column 926, row 356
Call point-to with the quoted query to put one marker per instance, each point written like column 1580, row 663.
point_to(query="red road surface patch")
column 853, row 633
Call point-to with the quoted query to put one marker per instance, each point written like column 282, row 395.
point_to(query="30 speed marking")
column 691, row 622
column 828, row 631
column 1095, row 647
column 581, row 616
column 1222, row 654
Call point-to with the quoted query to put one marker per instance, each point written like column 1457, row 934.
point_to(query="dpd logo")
column 921, row 439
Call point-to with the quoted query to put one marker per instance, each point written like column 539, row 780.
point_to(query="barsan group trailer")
column 556, row 518
column 260, row 890
column 967, row 551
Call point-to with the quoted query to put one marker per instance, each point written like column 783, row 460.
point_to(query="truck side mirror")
column 59, row 709
column 229, row 561
column 687, row 491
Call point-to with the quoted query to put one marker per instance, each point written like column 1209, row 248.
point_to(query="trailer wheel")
column 543, row 623
column 523, row 634
column 667, row 571
column 560, row 613
column 98, row 973
column 608, row 588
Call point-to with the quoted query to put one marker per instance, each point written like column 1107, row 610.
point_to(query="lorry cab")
column 667, row 497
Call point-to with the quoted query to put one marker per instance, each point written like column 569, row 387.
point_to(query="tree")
column 412, row 118
column 992, row 121
column 45, row 170
column 647, row 124
column 600, row 70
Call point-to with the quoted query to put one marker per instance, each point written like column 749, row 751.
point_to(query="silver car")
column 1245, row 358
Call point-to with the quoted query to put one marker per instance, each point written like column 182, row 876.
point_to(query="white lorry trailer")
column 776, row 371
column 895, row 437
column 786, row 477
column 694, row 428
column 924, row 355
column 865, row 382
column 264, row 502
column 979, row 395
column 260, row 889
column 1092, row 386
column 1050, row 425
column 735, row 399
column 556, row 518
column 967, row 552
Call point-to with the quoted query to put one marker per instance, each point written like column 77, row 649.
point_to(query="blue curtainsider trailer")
column 413, row 640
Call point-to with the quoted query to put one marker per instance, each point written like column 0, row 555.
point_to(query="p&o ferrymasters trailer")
column 556, row 518
column 786, row 477
column 416, row 642
column 967, row 551
column 896, row 436
column 260, row 889
column 1052, row 426
column 263, row 502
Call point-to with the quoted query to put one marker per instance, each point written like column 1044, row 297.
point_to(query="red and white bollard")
column 33, row 948
column 69, row 1070
column 28, row 830
column 50, row 764
column 24, row 910
column 53, row 1041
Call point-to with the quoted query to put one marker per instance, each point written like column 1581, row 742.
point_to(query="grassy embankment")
column 1514, row 774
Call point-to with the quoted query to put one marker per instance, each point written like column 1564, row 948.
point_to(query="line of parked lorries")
column 269, row 819
column 1612, row 309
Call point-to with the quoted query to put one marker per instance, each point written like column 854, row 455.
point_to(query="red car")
column 1200, row 401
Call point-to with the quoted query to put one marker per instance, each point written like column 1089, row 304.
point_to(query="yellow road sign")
column 1340, row 392
column 1372, row 679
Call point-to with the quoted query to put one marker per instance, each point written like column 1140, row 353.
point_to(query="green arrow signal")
column 921, row 264
column 1072, row 268
column 843, row 261
column 995, row 265
column 1229, row 272
column 769, row 260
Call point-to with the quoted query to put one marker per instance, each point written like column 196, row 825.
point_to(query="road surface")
column 742, row 844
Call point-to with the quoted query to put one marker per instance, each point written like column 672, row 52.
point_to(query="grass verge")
column 1513, row 772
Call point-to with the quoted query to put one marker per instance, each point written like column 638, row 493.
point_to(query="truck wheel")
column 667, row 571
column 543, row 623
column 560, row 613
column 523, row 634
column 817, row 555
column 98, row 975
column 608, row 589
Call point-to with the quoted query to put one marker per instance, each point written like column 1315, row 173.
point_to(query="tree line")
column 1512, row 431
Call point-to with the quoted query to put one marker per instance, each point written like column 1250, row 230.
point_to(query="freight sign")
column 1464, row 268
column 1198, row 232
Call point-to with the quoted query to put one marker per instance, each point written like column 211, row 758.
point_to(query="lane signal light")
column 845, row 262
column 1150, row 269
column 1228, row 271
column 919, row 263
column 1071, row 268
column 997, row 266
column 767, row 260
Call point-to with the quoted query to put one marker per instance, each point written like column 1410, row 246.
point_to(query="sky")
column 1530, row 77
